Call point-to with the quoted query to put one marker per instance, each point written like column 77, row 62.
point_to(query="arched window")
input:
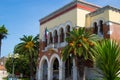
column 61, row 35
column 56, row 69
column 45, row 42
column 50, row 38
column 45, row 70
column 95, row 28
column 68, row 67
column 67, row 30
column 55, row 36
column 101, row 26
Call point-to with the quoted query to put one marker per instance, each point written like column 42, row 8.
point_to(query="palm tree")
column 29, row 48
column 3, row 34
column 79, row 43
column 107, row 55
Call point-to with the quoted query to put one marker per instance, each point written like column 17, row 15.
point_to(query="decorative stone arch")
column 101, row 18
column 52, row 59
column 56, row 28
column 92, row 23
column 59, row 27
column 43, row 59
column 70, row 24
column 100, row 21
column 97, row 21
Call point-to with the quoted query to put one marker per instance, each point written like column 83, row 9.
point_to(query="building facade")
column 3, row 71
column 54, row 28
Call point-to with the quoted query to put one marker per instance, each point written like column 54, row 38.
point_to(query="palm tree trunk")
column 81, row 74
column 80, row 68
column 31, row 68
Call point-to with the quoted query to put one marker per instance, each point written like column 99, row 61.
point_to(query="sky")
column 21, row 17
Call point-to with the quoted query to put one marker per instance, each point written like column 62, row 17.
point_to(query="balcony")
column 50, row 46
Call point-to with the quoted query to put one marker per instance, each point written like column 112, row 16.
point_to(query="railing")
column 55, row 45
column 50, row 46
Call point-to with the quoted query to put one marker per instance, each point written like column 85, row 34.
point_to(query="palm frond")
column 82, row 42
column 107, row 55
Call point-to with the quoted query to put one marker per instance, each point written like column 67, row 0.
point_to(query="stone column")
column 58, row 40
column 99, row 33
column 40, row 76
column 62, row 72
column 74, row 70
column 65, row 34
column 50, row 73
column 53, row 38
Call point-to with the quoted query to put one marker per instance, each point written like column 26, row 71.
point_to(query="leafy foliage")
column 29, row 45
column 21, row 65
column 107, row 54
column 29, row 48
column 9, row 65
column 3, row 34
column 79, row 43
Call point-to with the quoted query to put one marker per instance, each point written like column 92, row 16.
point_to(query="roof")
column 80, row 4
column 108, row 7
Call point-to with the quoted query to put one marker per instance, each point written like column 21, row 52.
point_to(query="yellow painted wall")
column 114, row 16
column 68, row 16
column 107, row 15
column 81, row 17
column 103, row 15
column 78, row 18
column 88, row 21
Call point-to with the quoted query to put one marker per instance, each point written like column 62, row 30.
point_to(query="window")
column 55, row 36
column 67, row 30
column 51, row 40
column 95, row 28
column 61, row 35
column 101, row 26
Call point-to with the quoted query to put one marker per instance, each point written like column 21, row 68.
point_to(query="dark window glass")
column 95, row 28
column 62, row 35
column 51, row 40
column 67, row 31
column 101, row 26
column 55, row 36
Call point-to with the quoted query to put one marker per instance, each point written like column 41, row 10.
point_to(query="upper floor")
column 74, row 12
column 104, row 21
